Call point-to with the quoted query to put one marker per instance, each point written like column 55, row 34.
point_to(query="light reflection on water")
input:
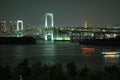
column 57, row 52
column 111, row 57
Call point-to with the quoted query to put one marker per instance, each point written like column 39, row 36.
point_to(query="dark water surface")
column 58, row 52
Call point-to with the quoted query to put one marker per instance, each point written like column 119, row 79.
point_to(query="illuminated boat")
column 110, row 53
column 17, row 40
column 111, row 56
column 87, row 50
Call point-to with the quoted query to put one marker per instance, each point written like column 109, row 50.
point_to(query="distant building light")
column 103, row 30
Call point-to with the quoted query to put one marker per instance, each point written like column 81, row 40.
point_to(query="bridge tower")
column 19, row 28
column 19, row 24
column 49, row 28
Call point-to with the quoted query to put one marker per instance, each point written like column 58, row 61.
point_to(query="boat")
column 110, row 54
column 103, row 42
column 87, row 50
column 17, row 40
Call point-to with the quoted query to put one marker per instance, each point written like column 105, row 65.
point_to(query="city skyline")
column 66, row 12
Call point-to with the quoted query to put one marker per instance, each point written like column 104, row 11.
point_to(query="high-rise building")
column 12, row 25
column 3, row 27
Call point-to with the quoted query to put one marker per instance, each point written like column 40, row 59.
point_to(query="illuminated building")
column 12, row 26
column 3, row 27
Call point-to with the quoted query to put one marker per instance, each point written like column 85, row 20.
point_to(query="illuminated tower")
column 85, row 24
column 19, row 28
column 19, row 24
column 46, row 20
column 49, row 28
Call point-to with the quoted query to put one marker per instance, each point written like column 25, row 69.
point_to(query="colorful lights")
column 18, row 34
column 61, row 37
column 111, row 56
column 87, row 50
column 110, row 53
column 106, row 56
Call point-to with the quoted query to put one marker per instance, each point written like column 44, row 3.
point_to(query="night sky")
column 66, row 12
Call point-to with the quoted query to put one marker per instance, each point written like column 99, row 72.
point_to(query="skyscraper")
column 3, row 27
column 12, row 26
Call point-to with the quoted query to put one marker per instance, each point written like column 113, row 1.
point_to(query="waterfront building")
column 3, row 27
column 12, row 26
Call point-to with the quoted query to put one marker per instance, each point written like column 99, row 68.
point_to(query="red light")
column 87, row 50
